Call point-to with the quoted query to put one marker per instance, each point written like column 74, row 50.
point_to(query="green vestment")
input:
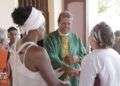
column 53, row 43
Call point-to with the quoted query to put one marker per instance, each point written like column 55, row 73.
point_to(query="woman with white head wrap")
column 31, row 66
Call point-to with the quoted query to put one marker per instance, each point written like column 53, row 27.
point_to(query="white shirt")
column 106, row 63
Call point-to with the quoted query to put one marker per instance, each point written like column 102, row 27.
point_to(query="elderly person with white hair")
column 102, row 65
column 3, row 37
column 30, row 63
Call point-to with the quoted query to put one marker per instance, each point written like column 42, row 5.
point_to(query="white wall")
column 55, row 7
column 6, row 7
column 111, row 15
column 78, row 25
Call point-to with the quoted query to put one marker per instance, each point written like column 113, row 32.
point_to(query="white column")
column 54, row 7
column 6, row 8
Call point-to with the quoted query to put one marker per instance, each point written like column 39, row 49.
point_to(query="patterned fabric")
column 65, row 47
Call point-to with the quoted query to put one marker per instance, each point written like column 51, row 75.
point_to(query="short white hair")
column 3, row 35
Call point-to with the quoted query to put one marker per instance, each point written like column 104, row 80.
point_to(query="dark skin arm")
column 37, row 59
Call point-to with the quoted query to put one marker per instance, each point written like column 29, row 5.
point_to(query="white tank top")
column 21, row 75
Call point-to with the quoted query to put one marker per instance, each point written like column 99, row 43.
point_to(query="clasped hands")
column 68, row 70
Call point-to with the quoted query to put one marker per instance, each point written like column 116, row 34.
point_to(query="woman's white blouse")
column 106, row 63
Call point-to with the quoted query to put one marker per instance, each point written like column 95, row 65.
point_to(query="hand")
column 64, row 83
column 75, row 72
column 59, row 72
column 68, row 59
column 71, row 59
column 76, row 59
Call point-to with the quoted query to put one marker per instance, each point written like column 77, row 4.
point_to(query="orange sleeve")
column 3, row 58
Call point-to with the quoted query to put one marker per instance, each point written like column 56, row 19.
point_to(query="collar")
column 61, row 34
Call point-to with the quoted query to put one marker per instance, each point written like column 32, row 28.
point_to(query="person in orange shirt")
column 4, row 71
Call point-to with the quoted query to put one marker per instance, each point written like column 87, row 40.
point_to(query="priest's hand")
column 74, row 72
column 65, row 83
column 71, row 59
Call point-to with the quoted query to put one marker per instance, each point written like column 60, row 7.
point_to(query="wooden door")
column 78, row 9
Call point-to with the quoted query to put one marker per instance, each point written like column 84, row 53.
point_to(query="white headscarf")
column 34, row 21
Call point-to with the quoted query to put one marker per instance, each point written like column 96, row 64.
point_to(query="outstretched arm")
column 43, row 65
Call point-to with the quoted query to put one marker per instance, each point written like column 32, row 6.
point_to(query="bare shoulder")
column 37, row 51
column 37, row 55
